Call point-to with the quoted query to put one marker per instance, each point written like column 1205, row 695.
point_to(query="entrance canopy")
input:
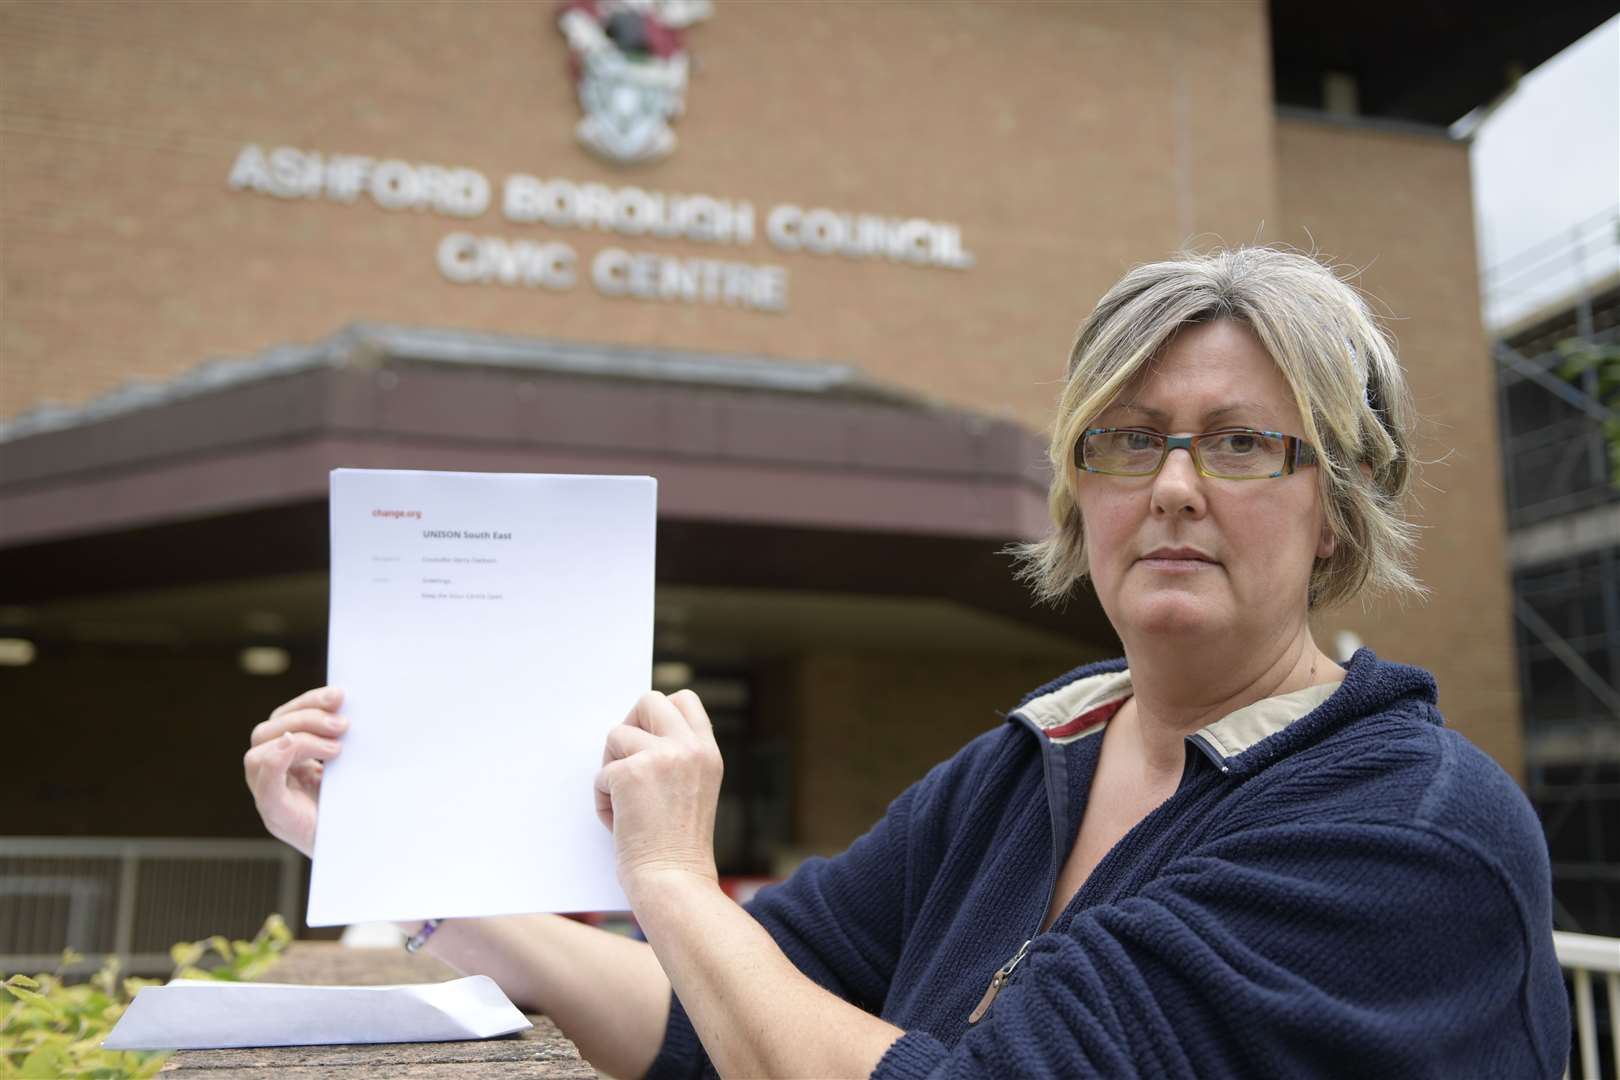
column 771, row 474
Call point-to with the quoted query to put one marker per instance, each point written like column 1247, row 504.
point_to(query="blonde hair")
column 1339, row 364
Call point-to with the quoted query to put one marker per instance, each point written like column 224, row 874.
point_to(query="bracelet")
column 418, row 939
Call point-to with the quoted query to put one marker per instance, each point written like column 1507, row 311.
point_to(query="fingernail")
column 328, row 696
column 340, row 723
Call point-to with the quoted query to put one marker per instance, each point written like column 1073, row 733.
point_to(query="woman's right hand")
column 285, row 759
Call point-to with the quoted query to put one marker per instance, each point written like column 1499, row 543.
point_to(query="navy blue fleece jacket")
column 1357, row 891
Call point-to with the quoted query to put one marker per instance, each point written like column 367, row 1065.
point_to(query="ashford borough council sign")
column 470, row 257
column 630, row 65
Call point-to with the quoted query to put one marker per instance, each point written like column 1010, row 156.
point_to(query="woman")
column 1225, row 855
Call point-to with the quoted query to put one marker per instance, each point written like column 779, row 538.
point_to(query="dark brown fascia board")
column 721, row 454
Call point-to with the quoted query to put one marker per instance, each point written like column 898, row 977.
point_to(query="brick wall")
column 870, row 725
column 1067, row 141
column 1399, row 206
column 137, row 741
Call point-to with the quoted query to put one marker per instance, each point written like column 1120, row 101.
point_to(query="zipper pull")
column 997, row 981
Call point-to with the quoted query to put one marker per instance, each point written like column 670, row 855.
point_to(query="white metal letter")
column 458, row 257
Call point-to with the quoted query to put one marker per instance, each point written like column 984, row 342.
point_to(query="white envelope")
column 205, row 1014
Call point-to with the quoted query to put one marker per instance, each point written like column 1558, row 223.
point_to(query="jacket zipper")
column 997, row 981
column 1214, row 755
column 1053, row 772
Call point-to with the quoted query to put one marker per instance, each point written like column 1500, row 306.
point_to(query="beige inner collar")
column 1078, row 698
column 1231, row 735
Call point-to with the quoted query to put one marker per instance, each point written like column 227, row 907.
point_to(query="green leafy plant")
column 50, row 1028
column 1603, row 360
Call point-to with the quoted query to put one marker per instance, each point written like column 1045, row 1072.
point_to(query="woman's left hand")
column 658, row 788
column 760, row 1015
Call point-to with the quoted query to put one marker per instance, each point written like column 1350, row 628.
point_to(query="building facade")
column 1563, row 502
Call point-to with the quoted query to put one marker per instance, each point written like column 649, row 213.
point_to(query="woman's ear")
column 1327, row 543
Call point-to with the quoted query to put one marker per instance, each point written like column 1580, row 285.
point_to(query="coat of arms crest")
column 630, row 64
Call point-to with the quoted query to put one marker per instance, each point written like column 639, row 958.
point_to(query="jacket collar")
column 1079, row 704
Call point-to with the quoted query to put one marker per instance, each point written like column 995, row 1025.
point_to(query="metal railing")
column 133, row 898
column 1585, row 956
column 1564, row 263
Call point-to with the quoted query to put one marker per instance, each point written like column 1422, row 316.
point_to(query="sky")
column 1546, row 165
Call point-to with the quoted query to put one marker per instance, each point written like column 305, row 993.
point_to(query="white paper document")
column 204, row 1014
column 487, row 629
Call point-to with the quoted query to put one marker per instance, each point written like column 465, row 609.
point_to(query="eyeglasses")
column 1227, row 454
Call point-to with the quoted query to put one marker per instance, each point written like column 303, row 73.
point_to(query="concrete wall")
column 1399, row 206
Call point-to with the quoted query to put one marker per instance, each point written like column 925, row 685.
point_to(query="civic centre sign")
column 469, row 257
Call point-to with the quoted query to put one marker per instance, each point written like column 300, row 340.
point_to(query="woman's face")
column 1181, row 554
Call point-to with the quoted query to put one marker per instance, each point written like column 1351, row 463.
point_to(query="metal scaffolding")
column 1563, row 511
